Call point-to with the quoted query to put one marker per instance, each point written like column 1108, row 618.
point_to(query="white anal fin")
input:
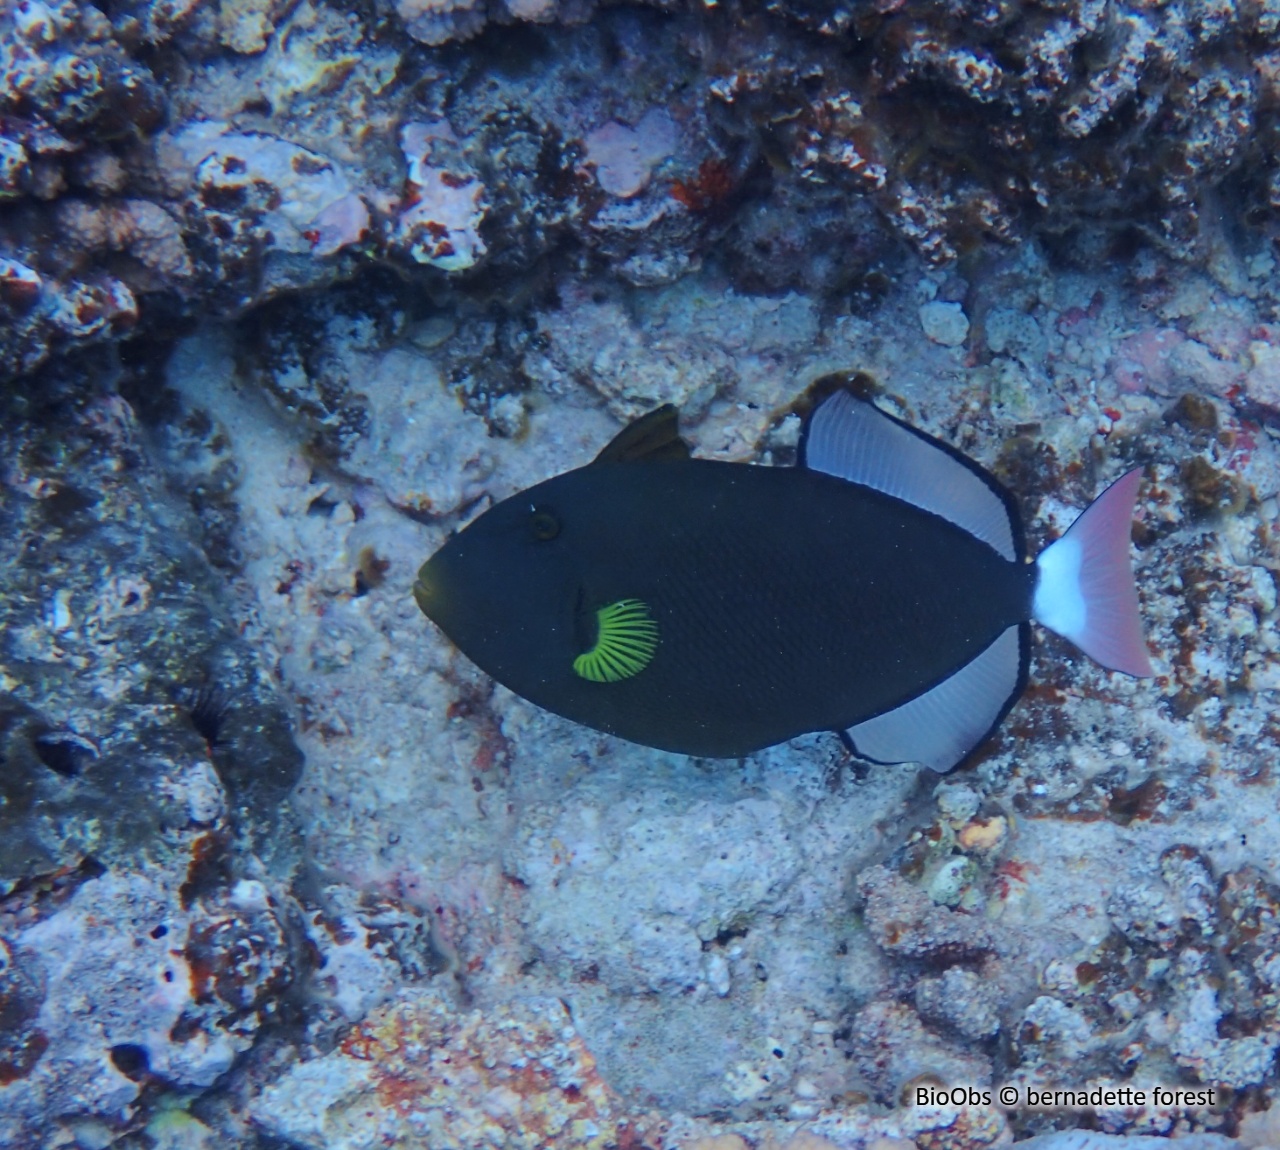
column 940, row 727
column 855, row 440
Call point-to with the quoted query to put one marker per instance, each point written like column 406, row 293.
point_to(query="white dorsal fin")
column 944, row 724
column 855, row 440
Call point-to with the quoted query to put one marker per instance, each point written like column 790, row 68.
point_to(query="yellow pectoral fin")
column 625, row 642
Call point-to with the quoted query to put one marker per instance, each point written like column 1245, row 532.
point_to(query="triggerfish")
column 879, row 589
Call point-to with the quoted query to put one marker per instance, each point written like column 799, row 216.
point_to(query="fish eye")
column 543, row 524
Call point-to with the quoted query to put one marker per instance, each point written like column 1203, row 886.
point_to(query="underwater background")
column 290, row 290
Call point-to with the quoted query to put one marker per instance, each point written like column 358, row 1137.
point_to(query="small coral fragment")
column 904, row 921
column 944, row 323
column 439, row 227
column 624, row 157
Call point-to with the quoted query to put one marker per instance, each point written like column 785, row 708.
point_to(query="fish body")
column 717, row 608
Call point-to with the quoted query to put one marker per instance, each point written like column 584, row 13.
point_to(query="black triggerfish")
column 879, row 589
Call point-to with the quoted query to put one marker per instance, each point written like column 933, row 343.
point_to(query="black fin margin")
column 997, row 488
column 652, row 438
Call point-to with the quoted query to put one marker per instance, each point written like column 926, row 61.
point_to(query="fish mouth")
column 426, row 591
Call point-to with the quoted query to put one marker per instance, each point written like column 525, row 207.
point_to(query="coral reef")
column 779, row 947
column 291, row 290
column 421, row 1071
column 141, row 806
column 162, row 159
column 137, row 989
column 829, row 963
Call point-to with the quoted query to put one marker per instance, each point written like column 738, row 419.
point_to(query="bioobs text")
column 955, row 1096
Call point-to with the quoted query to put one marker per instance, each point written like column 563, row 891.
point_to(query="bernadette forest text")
column 1090, row 1099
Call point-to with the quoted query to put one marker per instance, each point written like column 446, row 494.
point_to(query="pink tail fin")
column 1085, row 590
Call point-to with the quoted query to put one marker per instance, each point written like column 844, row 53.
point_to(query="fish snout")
column 426, row 588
